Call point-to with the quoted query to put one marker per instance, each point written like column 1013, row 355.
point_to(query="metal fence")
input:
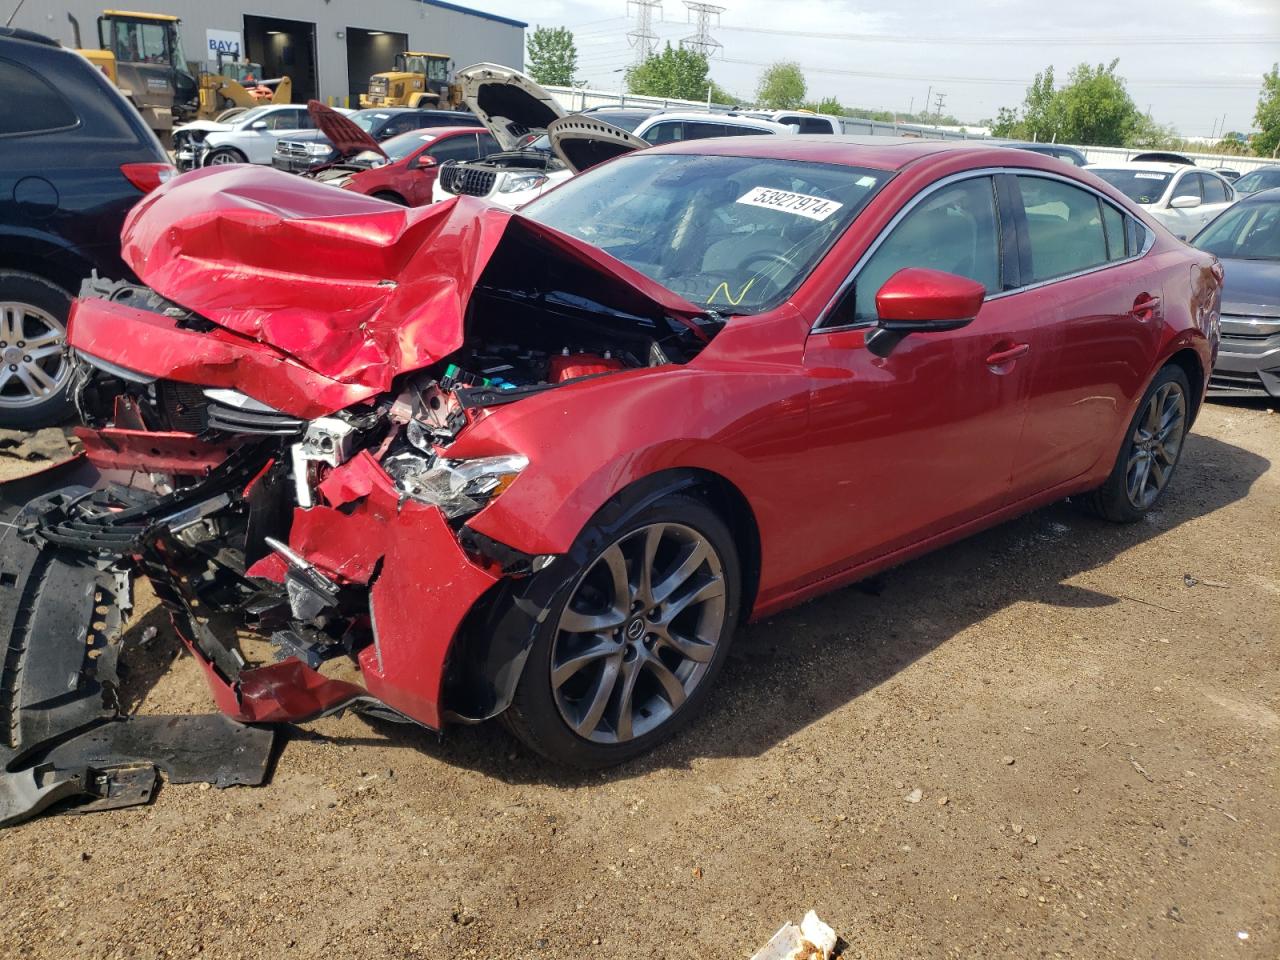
column 576, row 99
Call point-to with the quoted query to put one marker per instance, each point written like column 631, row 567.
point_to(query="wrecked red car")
column 457, row 462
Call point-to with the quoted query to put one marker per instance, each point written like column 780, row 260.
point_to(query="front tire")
column 223, row 156
column 35, row 368
column 1150, row 452
column 633, row 644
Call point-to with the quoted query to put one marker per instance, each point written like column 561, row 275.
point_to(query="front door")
column 908, row 446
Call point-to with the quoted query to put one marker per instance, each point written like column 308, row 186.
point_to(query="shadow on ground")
column 790, row 670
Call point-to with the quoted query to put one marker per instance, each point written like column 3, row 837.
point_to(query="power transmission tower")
column 938, row 101
column 702, row 42
column 641, row 37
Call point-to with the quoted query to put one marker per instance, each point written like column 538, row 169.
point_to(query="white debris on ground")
column 810, row 940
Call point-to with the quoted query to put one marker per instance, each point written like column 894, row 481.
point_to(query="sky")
column 1190, row 62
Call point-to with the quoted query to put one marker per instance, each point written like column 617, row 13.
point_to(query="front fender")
column 588, row 441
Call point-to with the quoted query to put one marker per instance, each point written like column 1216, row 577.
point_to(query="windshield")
column 1140, row 186
column 397, row 148
column 626, row 120
column 1258, row 180
column 1247, row 231
column 736, row 234
column 366, row 120
column 250, row 115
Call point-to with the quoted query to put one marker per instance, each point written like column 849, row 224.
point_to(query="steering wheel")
column 766, row 259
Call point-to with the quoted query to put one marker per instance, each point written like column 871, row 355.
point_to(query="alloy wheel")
column 222, row 157
column 638, row 633
column 33, row 365
column 1156, row 443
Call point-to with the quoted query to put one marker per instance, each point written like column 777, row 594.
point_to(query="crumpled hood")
column 208, row 126
column 354, row 288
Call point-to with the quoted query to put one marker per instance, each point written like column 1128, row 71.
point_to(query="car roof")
column 729, row 118
column 17, row 33
column 877, row 153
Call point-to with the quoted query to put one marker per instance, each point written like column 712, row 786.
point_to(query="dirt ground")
column 1091, row 745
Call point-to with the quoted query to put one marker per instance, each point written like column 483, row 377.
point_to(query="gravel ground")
column 1039, row 742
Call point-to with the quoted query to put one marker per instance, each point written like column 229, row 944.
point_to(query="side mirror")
column 1184, row 202
column 258, row 125
column 425, row 162
column 919, row 300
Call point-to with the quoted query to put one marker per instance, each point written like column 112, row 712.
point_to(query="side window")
column 954, row 229
column 488, row 145
column 1137, row 235
column 1064, row 228
column 30, row 104
column 1187, row 186
column 701, row 130
column 1214, row 191
column 285, row 120
column 455, row 148
column 1113, row 221
column 665, row 132
column 733, row 130
column 1070, row 156
column 814, row 125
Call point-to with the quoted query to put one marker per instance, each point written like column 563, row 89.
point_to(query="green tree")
column 781, row 87
column 1095, row 108
column 1267, row 140
column 675, row 72
column 829, row 105
column 553, row 56
column 1092, row 108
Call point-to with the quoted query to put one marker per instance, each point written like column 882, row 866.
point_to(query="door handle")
column 1145, row 307
column 1000, row 357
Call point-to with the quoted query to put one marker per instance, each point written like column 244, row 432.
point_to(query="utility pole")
column 702, row 42
column 641, row 37
column 939, row 100
column 928, row 98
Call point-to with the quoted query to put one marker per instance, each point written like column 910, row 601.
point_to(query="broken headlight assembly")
column 458, row 487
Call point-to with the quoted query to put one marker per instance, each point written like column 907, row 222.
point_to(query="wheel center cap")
column 12, row 355
column 635, row 629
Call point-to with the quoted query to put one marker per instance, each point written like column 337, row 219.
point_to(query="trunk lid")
column 582, row 142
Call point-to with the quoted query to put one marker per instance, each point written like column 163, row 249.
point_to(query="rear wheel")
column 35, row 370
column 390, row 197
column 1150, row 452
column 633, row 645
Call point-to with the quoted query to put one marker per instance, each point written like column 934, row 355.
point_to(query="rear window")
column 1140, row 186
column 30, row 104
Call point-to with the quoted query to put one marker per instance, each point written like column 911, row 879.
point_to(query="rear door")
column 1092, row 304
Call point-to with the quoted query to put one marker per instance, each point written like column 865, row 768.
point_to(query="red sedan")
column 410, row 168
column 543, row 464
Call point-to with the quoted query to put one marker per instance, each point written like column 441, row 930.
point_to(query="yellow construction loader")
column 142, row 55
column 236, row 87
column 417, row 80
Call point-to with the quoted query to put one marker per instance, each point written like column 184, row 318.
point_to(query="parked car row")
column 63, row 205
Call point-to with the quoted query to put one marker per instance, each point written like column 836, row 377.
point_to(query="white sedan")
column 247, row 138
column 1183, row 198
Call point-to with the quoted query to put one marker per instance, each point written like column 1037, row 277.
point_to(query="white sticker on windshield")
column 1150, row 176
column 801, row 204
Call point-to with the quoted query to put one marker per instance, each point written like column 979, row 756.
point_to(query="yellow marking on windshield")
column 724, row 287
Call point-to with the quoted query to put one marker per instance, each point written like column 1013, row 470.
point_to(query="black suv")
column 74, row 158
column 308, row 149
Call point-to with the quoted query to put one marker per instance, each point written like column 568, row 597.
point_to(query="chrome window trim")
column 1149, row 240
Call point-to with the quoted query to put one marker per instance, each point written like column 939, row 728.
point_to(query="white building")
column 328, row 48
